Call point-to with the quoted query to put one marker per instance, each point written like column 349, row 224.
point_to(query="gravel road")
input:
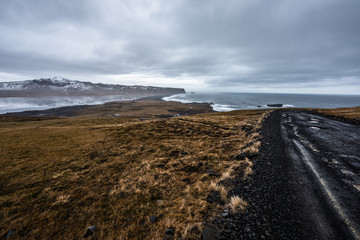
column 306, row 182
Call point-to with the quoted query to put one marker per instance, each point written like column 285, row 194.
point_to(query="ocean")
column 219, row 101
column 236, row 101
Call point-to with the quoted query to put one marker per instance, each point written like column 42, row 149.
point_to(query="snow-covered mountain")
column 64, row 87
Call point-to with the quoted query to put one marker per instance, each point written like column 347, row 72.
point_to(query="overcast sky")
column 249, row 45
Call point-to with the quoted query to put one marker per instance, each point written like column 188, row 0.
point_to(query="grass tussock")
column 59, row 176
column 215, row 186
column 236, row 204
column 248, row 168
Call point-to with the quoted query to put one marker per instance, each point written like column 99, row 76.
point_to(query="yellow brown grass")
column 59, row 176
column 236, row 204
column 352, row 113
column 248, row 168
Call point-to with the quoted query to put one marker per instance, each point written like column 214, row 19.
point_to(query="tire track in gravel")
column 305, row 182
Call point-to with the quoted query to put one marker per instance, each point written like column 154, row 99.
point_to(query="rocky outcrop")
column 275, row 105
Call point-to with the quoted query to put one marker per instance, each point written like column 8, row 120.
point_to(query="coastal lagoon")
column 19, row 104
column 219, row 101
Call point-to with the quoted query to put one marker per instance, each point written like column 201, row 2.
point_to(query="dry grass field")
column 352, row 113
column 59, row 176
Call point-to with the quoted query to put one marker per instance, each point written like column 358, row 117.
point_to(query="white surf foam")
column 222, row 107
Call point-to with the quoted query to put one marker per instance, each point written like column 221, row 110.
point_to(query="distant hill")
column 64, row 87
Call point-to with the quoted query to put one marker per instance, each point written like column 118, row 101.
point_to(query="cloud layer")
column 250, row 45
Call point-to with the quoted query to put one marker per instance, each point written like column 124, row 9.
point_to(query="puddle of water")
column 347, row 172
column 335, row 161
column 331, row 161
column 350, row 157
column 333, row 199
column 315, row 122
column 357, row 187
column 352, row 184
column 313, row 148
column 305, row 141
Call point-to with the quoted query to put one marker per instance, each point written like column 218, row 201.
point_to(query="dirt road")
column 325, row 157
column 306, row 182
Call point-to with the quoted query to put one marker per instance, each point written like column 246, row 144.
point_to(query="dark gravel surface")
column 271, row 212
column 284, row 199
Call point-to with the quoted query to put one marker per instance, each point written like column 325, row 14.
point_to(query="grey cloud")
column 40, row 12
column 304, row 43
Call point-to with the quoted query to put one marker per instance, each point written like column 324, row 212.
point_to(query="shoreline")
column 144, row 108
column 252, row 101
column 71, row 108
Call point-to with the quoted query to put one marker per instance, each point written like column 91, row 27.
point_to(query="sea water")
column 219, row 101
column 236, row 101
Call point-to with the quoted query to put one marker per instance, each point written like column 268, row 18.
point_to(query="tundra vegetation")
column 352, row 114
column 133, row 179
